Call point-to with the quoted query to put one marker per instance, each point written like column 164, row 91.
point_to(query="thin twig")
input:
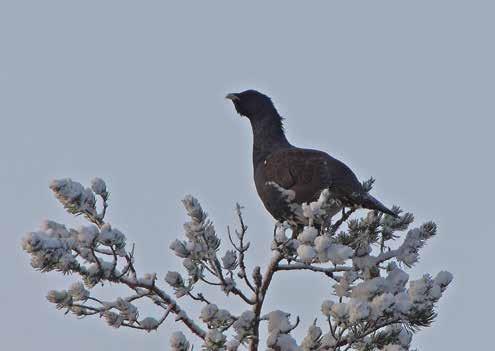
column 302, row 266
column 241, row 248
column 345, row 216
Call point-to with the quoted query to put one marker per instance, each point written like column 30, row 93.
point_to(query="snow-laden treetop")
column 375, row 305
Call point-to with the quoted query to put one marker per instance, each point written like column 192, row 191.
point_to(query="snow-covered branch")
column 97, row 253
column 375, row 306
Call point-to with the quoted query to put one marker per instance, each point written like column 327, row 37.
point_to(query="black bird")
column 304, row 172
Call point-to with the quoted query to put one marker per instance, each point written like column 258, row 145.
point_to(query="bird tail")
column 371, row 203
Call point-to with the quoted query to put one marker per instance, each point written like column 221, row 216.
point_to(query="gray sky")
column 402, row 91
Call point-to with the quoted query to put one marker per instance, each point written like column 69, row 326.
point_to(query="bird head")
column 252, row 104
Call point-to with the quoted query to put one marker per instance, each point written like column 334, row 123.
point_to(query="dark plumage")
column 304, row 171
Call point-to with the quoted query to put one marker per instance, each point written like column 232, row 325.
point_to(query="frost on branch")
column 374, row 304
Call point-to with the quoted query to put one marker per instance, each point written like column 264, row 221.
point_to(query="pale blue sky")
column 133, row 92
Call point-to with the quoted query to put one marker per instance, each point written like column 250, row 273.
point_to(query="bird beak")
column 232, row 97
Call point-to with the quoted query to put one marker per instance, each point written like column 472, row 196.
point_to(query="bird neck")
column 268, row 136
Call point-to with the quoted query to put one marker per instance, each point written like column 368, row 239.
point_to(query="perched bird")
column 285, row 174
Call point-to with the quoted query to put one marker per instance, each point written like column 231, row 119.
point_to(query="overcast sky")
column 134, row 93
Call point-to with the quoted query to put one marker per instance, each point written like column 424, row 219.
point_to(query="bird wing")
column 308, row 172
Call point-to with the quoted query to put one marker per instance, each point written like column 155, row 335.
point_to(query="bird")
column 285, row 175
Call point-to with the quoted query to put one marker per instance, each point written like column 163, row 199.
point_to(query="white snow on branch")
column 375, row 304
